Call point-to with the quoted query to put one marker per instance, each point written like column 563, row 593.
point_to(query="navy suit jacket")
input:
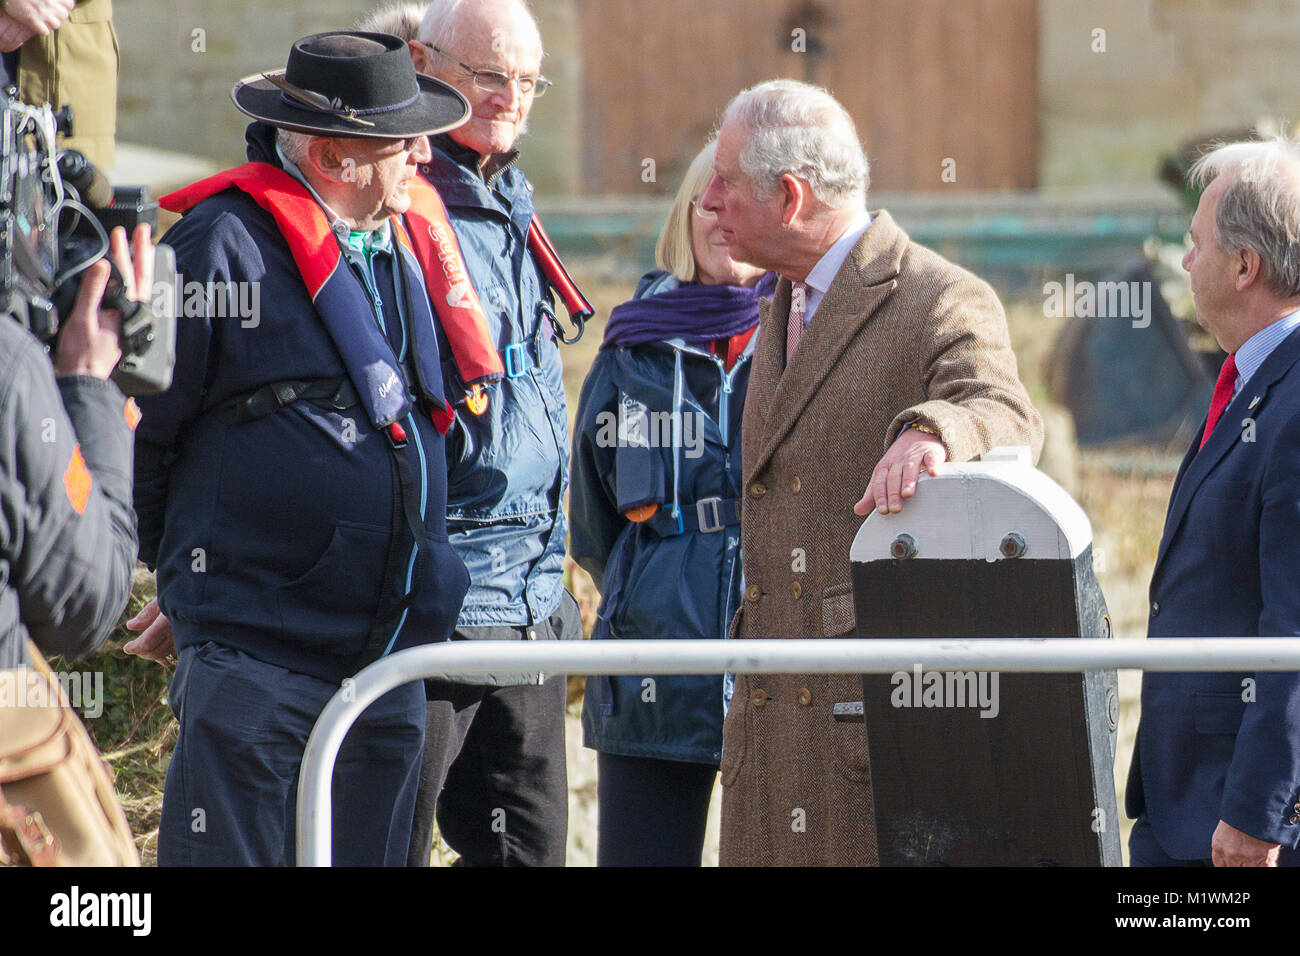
column 1226, row 746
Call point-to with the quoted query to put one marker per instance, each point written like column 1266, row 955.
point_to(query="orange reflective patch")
column 131, row 412
column 77, row 481
column 477, row 400
column 644, row 513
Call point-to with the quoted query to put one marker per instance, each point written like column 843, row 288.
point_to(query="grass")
column 136, row 730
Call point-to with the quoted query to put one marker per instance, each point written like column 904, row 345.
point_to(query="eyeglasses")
column 701, row 211
column 494, row 81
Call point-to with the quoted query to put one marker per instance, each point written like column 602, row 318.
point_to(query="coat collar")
column 1250, row 402
column 453, row 170
column 867, row 278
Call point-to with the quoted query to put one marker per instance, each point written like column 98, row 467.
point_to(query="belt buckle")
column 516, row 360
column 702, row 508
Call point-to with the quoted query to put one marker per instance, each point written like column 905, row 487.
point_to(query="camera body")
column 56, row 212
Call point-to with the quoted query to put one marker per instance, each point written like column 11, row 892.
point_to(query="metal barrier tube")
column 808, row 656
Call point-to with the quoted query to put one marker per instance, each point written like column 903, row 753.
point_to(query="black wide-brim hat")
column 351, row 84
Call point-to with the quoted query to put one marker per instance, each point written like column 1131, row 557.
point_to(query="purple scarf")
column 695, row 313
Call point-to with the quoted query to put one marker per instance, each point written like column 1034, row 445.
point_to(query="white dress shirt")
column 828, row 266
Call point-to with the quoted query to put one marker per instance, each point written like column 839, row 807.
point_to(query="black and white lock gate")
column 986, row 768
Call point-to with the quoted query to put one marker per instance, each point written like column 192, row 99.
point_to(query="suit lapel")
column 866, row 280
column 1251, row 401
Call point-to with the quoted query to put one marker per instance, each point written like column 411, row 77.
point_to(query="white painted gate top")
column 967, row 509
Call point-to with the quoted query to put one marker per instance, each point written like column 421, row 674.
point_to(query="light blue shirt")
column 828, row 266
column 1260, row 346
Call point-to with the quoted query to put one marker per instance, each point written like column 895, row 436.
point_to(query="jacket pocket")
column 331, row 606
column 851, row 755
column 837, row 610
column 1217, row 713
column 640, row 476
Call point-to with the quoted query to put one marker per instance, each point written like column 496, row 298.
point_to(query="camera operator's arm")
column 69, row 533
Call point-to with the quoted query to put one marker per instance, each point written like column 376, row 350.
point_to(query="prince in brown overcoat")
column 901, row 338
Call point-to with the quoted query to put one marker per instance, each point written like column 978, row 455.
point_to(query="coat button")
column 805, row 697
column 753, row 593
column 1295, row 818
column 1155, row 608
column 797, row 588
column 759, row 697
column 796, row 485
column 757, row 489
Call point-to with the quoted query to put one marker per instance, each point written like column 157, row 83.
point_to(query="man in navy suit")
column 1215, row 777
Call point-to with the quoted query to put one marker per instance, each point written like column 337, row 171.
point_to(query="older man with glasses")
column 494, row 763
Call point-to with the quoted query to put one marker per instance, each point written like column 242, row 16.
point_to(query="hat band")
column 289, row 101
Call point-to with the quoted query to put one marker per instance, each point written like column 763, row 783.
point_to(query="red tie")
column 1222, row 395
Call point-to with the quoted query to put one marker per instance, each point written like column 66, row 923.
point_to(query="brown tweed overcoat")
column 902, row 335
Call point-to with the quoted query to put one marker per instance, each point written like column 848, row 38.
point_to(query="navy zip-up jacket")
column 658, row 585
column 272, row 536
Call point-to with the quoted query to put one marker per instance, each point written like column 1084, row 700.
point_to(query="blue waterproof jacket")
column 655, row 581
column 272, row 536
column 509, row 465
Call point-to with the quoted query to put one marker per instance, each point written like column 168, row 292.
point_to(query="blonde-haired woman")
column 655, row 520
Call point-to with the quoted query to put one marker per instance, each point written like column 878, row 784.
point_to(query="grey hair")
column 441, row 19
column 293, row 144
column 1259, row 209
column 402, row 20
column 800, row 129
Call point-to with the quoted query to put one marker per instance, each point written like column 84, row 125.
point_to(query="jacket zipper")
column 376, row 308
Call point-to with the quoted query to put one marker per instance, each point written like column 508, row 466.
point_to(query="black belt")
column 335, row 393
column 706, row 516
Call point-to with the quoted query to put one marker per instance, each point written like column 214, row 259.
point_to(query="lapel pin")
column 1253, row 402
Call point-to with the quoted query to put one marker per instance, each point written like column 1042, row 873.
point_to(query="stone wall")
column 1170, row 69
column 180, row 59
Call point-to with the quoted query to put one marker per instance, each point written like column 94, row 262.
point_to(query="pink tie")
column 794, row 330
column 1222, row 396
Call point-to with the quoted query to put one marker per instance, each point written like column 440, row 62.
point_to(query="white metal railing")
column 819, row 656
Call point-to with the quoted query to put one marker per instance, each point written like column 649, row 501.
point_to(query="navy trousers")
column 232, row 784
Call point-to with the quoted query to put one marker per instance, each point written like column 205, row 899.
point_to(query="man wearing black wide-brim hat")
column 292, row 485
